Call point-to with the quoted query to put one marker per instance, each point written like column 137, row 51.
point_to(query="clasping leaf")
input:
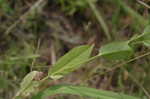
column 146, row 36
column 28, row 84
column 116, row 50
column 70, row 61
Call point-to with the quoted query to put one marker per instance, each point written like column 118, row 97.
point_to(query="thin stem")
column 37, row 49
column 136, row 58
column 143, row 3
column 100, row 19
column 133, row 78
column 137, row 82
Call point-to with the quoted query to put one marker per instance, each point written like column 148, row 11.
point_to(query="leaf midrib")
column 70, row 60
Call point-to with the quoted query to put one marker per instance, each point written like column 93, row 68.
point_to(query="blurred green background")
column 34, row 34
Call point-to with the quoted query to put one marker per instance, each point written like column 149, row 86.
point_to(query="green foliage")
column 100, row 19
column 74, row 59
column 140, row 19
column 27, row 80
column 124, row 50
column 116, row 50
column 3, row 82
column 18, row 57
column 16, row 61
column 147, row 43
column 5, row 7
column 71, row 61
column 146, row 36
column 71, row 6
column 28, row 84
column 81, row 91
column 143, row 38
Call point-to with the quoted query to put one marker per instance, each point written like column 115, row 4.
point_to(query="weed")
column 73, row 60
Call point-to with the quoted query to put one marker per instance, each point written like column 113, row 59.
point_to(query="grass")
column 19, row 38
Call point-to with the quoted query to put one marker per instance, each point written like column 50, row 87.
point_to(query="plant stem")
column 100, row 19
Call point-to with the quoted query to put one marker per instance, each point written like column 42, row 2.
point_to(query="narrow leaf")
column 142, row 38
column 147, row 30
column 140, row 19
column 71, row 61
column 116, row 50
column 82, row 91
column 27, row 85
column 146, row 36
column 147, row 43
column 28, row 79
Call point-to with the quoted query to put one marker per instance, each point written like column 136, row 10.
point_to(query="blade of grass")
column 100, row 19
column 141, row 20
column 143, row 3
column 81, row 91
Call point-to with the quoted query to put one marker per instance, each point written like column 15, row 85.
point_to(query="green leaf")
column 70, row 61
column 147, row 30
column 5, row 6
column 28, row 85
column 136, row 16
column 28, row 79
column 147, row 43
column 32, row 88
column 116, row 50
column 146, row 36
column 82, row 91
column 143, row 38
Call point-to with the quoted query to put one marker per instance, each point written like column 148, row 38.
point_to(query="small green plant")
column 72, row 61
